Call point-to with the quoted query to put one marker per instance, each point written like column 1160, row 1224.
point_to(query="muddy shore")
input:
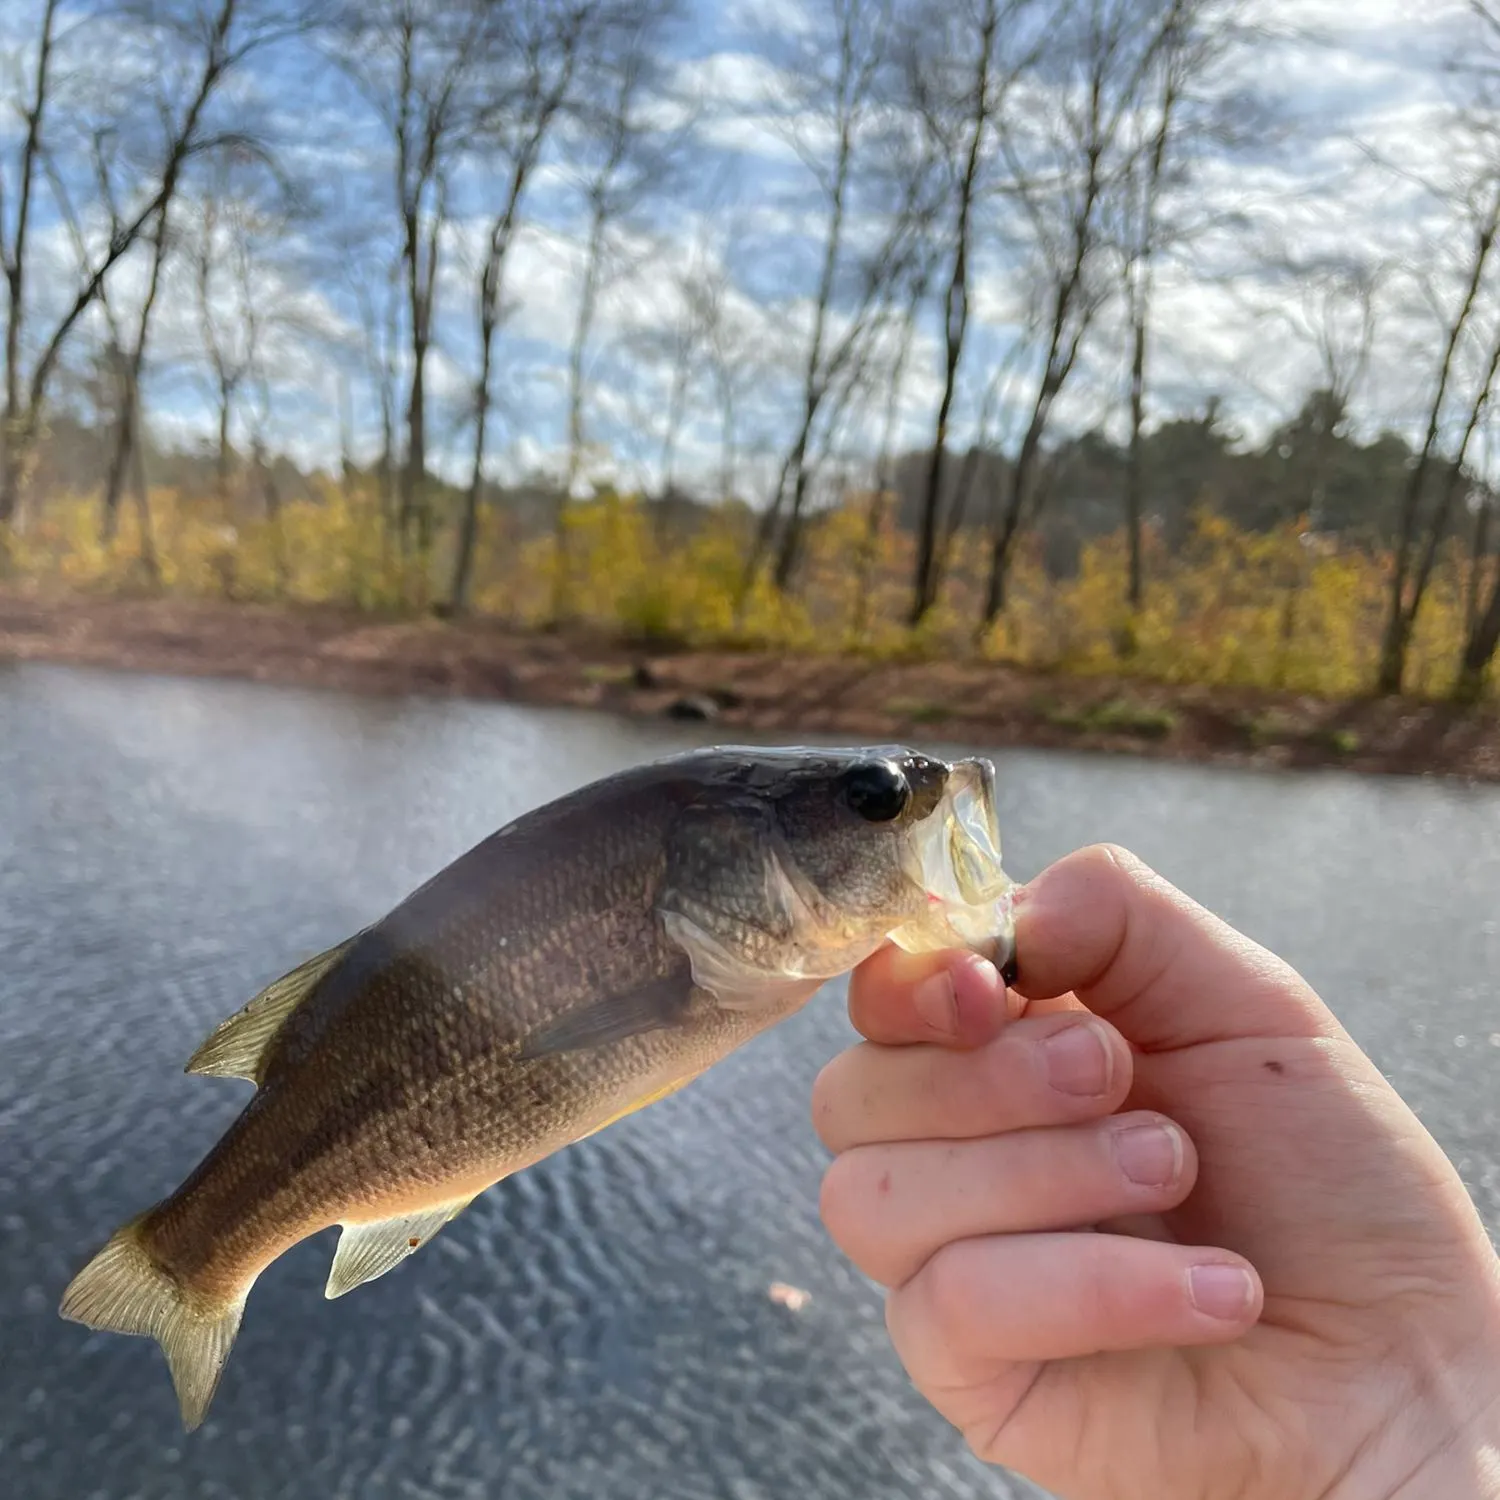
column 867, row 700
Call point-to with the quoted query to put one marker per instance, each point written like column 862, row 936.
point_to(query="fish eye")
column 878, row 792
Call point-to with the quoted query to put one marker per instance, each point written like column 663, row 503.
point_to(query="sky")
column 1356, row 82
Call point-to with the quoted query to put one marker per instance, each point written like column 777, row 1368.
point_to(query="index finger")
column 953, row 998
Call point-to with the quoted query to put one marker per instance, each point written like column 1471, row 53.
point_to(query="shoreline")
column 981, row 702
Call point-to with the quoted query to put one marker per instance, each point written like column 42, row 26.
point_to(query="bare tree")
column 1482, row 613
column 625, row 160
column 132, row 354
column 1066, row 164
column 230, row 227
column 210, row 42
column 880, row 490
column 528, row 81
column 961, row 66
column 13, row 246
column 832, row 77
column 1410, row 572
column 420, row 65
column 1187, row 106
column 685, row 343
column 369, row 264
column 116, row 365
column 1335, row 309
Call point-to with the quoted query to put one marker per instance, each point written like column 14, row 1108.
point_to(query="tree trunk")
column 1438, row 526
column 1479, row 650
column 222, row 463
column 1135, row 586
column 463, row 565
column 1476, row 564
column 119, row 459
column 149, row 562
column 791, row 536
column 1400, row 617
column 955, row 329
column 421, row 284
column 126, row 434
column 561, row 581
column 15, row 435
column 22, row 427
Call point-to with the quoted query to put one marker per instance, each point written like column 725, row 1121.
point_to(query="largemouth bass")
column 589, row 958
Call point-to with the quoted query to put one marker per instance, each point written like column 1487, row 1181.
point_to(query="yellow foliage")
column 1230, row 607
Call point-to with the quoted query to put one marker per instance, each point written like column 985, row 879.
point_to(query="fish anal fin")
column 123, row 1290
column 237, row 1047
column 372, row 1248
column 659, row 1003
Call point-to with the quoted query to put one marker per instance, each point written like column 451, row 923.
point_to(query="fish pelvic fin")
column 123, row 1290
column 371, row 1249
column 237, row 1047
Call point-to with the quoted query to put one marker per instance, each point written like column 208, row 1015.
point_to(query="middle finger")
column 890, row 1207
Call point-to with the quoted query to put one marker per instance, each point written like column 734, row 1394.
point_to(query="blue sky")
column 1357, row 78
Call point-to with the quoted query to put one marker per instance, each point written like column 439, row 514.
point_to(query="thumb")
column 1163, row 970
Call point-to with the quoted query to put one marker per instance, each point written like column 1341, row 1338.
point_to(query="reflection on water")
column 599, row 1326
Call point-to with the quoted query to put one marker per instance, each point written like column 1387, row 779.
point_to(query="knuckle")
column 952, row 1289
column 1004, row 1064
column 827, row 1099
column 1124, row 861
column 1096, row 1288
column 843, row 1198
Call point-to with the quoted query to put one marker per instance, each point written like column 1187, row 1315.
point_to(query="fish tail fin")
column 124, row 1290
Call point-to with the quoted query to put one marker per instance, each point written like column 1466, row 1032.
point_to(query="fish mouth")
column 956, row 859
column 973, row 829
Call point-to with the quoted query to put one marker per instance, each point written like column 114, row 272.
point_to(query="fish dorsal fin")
column 369, row 1250
column 236, row 1048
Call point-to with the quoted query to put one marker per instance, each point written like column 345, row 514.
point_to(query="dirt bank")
column 981, row 703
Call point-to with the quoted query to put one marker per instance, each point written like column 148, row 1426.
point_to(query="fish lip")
column 954, row 859
column 955, row 849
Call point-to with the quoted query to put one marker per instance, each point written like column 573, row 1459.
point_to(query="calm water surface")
column 598, row 1327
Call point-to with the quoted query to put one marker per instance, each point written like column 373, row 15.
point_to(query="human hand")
column 1212, row 1254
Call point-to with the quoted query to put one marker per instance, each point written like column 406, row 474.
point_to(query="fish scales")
column 404, row 1057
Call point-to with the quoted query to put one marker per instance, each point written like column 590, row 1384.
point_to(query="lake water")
column 599, row 1327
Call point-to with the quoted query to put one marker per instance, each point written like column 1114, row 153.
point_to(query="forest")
column 1154, row 337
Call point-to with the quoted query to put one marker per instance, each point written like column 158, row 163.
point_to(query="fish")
column 586, row 960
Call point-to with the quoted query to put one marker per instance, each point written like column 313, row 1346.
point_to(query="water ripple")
column 599, row 1325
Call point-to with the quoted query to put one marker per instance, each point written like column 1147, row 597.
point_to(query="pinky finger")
column 1023, row 1299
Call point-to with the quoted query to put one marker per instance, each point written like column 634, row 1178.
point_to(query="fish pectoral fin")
column 719, row 971
column 660, row 1003
column 369, row 1250
column 236, row 1048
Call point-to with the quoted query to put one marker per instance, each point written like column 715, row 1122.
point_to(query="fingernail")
column 935, row 1001
column 1079, row 1060
column 1149, row 1155
column 1221, row 1291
